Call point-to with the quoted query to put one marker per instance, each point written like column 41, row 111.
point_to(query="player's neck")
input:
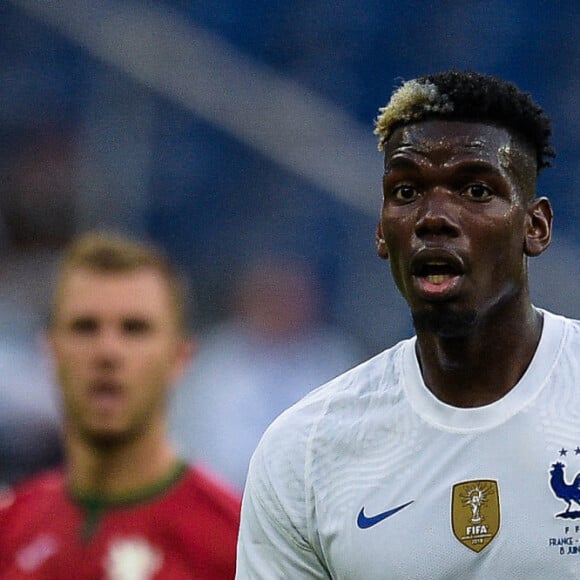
column 480, row 368
column 119, row 470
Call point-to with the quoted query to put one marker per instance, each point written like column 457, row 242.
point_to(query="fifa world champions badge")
column 475, row 512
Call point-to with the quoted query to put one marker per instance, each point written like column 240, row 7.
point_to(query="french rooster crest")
column 567, row 492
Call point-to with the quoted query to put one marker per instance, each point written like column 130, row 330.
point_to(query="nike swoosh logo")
column 364, row 522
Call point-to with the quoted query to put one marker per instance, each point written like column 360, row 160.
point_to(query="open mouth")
column 437, row 276
column 106, row 388
column 436, row 272
column 106, row 394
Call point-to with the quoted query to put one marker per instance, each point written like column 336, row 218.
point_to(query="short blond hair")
column 111, row 253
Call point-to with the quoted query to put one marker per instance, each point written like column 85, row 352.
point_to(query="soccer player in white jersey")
column 454, row 454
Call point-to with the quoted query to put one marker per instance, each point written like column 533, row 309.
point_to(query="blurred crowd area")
column 234, row 133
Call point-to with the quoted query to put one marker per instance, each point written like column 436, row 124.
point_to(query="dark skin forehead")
column 444, row 143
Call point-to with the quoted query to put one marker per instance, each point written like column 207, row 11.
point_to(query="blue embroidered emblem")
column 567, row 492
column 364, row 522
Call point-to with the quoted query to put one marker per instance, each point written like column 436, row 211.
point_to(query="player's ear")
column 538, row 232
column 184, row 354
column 382, row 250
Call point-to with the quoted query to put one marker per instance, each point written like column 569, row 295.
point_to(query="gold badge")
column 475, row 513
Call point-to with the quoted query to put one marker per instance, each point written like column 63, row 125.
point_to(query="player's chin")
column 107, row 436
column 445, row 321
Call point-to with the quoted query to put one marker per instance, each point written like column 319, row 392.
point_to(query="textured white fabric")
column 238, row 385
column 376, row 438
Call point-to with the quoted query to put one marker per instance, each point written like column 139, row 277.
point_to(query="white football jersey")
column 372, row 477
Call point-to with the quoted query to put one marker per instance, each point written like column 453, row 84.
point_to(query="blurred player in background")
column 125, row 506
column 454, row 454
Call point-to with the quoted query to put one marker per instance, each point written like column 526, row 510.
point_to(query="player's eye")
column 85, row 325
column 136, row 326
column 404, row 192
column 478, row 192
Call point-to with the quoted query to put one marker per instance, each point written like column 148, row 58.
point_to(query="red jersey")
column 184, row 528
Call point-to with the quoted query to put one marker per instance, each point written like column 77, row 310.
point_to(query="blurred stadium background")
column 226, row 129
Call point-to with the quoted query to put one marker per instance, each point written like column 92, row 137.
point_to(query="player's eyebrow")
column 479, row 167
column 402, row 162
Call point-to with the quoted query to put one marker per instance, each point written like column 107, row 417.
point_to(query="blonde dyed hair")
column 469, row 96
column 412, row 101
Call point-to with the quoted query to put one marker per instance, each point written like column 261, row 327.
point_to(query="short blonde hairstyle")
column 107, row 253
column 411, row 101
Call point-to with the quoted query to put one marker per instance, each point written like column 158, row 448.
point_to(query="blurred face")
column 117, row 350
column 457, row 220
